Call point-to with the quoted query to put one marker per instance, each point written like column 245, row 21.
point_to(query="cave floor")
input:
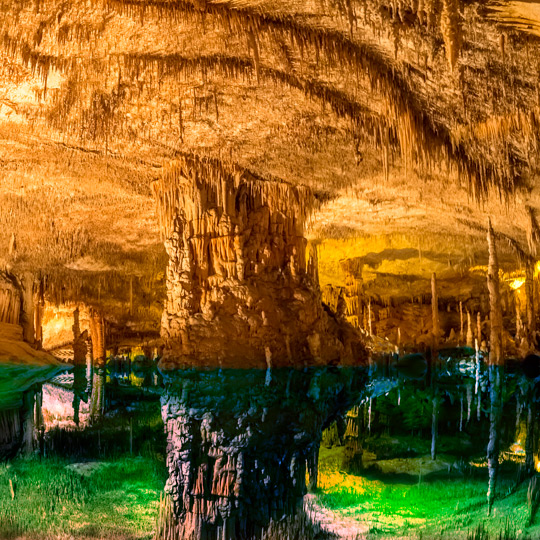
column 416, row 498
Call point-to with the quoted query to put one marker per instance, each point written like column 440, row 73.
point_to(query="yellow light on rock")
column 516, row 283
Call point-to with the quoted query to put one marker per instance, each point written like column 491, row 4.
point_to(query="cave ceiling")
column 411, row 121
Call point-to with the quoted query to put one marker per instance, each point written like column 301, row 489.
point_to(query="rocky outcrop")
column 242, row 286
column 238, row 442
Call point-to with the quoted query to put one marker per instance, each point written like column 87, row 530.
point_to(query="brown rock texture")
column 241, row 289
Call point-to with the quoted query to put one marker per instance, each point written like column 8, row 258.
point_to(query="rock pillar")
column 240, row 284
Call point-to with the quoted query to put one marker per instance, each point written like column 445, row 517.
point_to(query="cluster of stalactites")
column 348, row 301
column 230, row 223
column 10, row 302
column 197, row 186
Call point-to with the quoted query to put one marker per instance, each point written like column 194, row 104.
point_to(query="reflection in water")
column 410, row 445
column 243, row 444
column 239, row 440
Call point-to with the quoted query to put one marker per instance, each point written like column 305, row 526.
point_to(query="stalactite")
column 451, row 30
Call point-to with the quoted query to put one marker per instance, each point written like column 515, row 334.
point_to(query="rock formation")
column 240, row 289
column 241, row 293
column 97, row 399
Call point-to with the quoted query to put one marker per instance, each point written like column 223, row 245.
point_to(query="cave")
column 270, row 269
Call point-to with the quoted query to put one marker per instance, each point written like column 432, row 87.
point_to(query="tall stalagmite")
column 496, row 362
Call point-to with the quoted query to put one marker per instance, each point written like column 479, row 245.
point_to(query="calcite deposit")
column 242, row 285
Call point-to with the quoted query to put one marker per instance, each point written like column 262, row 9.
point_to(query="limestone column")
column 97, row 331
column 27, row 314
column 495, row 365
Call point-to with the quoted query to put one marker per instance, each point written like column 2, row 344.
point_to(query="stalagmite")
column 495, row 367
column 478, row 330
column 519, row 321
column 469, row 330
column 435, row 312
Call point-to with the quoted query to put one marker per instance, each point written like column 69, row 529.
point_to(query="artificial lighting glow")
column 516, row 283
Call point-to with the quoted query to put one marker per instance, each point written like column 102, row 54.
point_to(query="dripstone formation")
column 241, row 293
column 241, row 289
column 238, row 441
